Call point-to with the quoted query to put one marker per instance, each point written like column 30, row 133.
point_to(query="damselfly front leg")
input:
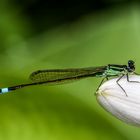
column 128, row 80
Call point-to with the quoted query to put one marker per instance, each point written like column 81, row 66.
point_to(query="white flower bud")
column 113, row 99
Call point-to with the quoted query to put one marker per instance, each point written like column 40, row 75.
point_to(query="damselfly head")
column 131, row 66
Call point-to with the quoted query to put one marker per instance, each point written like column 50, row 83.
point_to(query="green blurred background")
column 37, row 34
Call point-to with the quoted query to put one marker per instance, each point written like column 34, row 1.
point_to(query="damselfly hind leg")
column 106, row 78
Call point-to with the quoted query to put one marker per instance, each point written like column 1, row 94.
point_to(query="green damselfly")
column 62, row 76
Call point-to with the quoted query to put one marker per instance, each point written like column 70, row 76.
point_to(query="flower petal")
column 113, row 99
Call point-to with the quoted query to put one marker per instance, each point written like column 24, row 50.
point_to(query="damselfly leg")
column 106, row 78
column 120, row 85
column 128, row 80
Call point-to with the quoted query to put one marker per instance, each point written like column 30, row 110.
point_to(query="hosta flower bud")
column 123, row 105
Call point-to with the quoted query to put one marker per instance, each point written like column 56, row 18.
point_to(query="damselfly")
column 62, row 76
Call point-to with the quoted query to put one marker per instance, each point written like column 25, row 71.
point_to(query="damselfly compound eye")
column 131, row 66
column 112, row 98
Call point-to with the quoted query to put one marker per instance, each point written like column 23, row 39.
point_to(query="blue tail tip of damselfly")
column 4, row 90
